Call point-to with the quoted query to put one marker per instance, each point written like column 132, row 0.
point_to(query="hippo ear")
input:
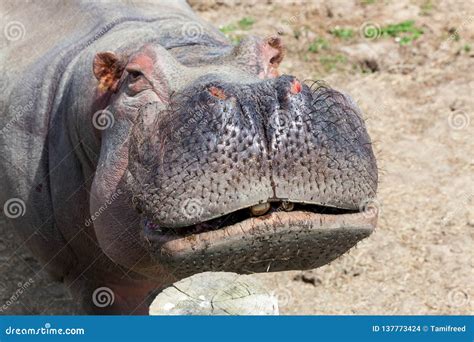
column 262, row 57
column 108, row 69
column 272, row 55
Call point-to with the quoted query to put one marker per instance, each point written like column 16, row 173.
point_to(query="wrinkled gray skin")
column 200, row 129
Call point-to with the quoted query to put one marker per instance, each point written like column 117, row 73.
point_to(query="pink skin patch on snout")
column 295, row 87
column 142, row 62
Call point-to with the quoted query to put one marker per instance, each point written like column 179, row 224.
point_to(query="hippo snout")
column 227, row 147
column 222, row 152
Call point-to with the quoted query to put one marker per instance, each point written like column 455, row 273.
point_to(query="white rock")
column 215, row 293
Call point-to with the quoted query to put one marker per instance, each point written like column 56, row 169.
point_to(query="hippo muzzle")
column 253, row 177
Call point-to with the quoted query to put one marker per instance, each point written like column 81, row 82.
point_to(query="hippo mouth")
column 286, row 236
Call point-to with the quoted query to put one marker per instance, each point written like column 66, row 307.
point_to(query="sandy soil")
column 418, row 101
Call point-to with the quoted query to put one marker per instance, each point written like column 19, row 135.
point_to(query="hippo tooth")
column 260, row 209
column 287, row 206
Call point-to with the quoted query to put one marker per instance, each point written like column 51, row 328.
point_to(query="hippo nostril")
column 295, row 87
column 217, row 92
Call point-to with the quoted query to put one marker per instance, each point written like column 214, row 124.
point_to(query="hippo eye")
column 134, row 74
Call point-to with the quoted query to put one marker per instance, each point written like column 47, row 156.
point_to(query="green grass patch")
column 317, row 45
column 405, row 32
column 331, row 62
column 342, row 32
column 243, row 24
column 427, row 8
column 228, row 28
column 246, row 23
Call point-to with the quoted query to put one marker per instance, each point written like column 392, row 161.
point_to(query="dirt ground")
column 416, row 89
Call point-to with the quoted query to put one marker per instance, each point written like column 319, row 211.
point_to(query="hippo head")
column 221, row 164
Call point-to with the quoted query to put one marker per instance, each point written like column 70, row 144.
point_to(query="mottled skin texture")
column 200, row 129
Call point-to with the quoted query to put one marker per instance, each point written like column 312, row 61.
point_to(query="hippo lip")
column 229, row 219
column 301, row 239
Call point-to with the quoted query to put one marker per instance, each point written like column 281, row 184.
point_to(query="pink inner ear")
column 272, row 55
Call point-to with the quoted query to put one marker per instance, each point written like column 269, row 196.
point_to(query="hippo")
column 139, row 146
